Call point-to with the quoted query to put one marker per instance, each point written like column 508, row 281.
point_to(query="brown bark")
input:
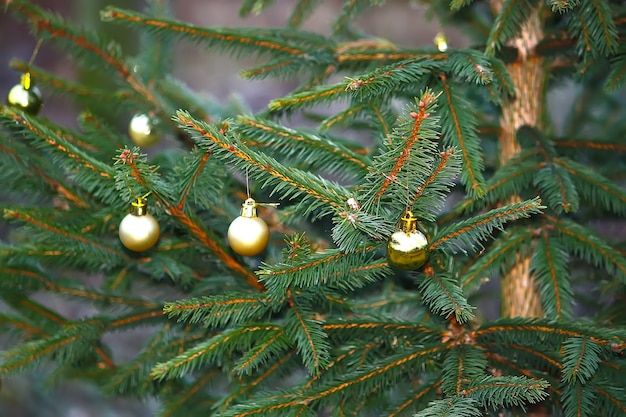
column 520, row 297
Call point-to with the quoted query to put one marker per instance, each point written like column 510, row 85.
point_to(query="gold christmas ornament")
column 248, row 234
column 26, row 96
column 139, row 230
column 143, row 130
column 408, row 247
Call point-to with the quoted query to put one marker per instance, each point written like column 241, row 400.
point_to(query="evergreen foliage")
column 320, row 323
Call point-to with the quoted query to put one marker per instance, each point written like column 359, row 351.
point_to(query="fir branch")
column 552, row 180
column 303, row 327
column 45, row 78
column 549, row 264
column 359, row 383
column 588, row 246
column 436, row 187
column 256, row 7
column 579, row 400
column 315, row 192
column 210, row 351
column 459, row 130
column 597, row 17
column 461, row 365
column 271, row 370
column 443, row 296
column 599, row 190
column 498, row 256
column 381, row 82
column 301, row 11
column 495, row 392
column 533, row 356
column 344, row 117
column 376, row 329
column 464, row 235
column 99, row 250
column 617, row 75
column 41, row 281
column 210, row 243
column 590, row 144
column 321, row 150
column 402, row 151
column 508, row 22
column 316, row 95
column 70, row 153
column 109, row 55
column 181, row 401
column 73, row 342
column 451, row 407
column 581, row 358
column 352, row 54
column 272, row 345
column 527, row 331
column 137, row 318
column 237, row 39
column 222, row 309
column 349, row 10
column 323, row 268
column 610, row 398
column 456, row 5
column 417, row 395
column 386, row 81
column 513, row 177
column 472, row 66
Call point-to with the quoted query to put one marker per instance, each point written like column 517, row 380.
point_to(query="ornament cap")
column 26, row 81
column 139, row 207
column 248, row 208
column 408, row 223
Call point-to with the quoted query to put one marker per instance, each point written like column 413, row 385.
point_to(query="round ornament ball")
column 407, row 248
column 143, row 130
column 139, row 230
column 26, row 96
column 248, row 235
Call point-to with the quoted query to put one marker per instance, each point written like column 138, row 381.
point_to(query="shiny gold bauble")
column 25, row 96
column 248, row 234
column 407, row 248
column 143, row 130
column 139, row 230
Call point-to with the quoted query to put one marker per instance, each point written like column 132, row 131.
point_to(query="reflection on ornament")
column 139, row 230
column 143, row 130
column 248, row 234
column 408, row 247
column 26, row 96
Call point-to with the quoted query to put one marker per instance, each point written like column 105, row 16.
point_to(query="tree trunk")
column 520, row 297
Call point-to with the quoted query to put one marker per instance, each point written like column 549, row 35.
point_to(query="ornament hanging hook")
column 26, row 81
column 140, row 199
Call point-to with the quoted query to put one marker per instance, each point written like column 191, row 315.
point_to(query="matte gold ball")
column 248, row 236
column 139, row 232
column 407, row 250
column 29, row 100
column 143, row 130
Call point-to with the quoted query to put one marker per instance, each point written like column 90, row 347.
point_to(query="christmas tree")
column 325, row 255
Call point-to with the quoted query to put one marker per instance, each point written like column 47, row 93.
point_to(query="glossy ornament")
column 143, row 130
column 248, row 234
column 139, row 230
column 408, row 247
column 26, row 96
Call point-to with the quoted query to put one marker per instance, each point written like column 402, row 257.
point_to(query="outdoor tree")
column 290, row 269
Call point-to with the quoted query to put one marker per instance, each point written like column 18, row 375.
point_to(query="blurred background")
column 210, row 73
